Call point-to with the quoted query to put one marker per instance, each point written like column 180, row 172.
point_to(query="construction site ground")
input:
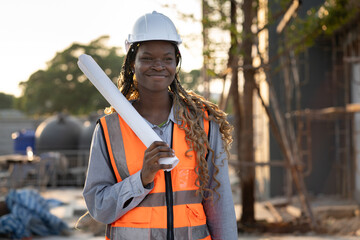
column 336, row 218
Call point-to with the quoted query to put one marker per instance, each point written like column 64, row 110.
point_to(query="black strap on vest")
column 169, row 197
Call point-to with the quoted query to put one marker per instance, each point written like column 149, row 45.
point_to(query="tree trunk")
column 234, row 88
column 205, row 33
column 247, row 139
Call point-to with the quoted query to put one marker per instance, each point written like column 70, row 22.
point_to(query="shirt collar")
column 171, row 115
column 170, row 118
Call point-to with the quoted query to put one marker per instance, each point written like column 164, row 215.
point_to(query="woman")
column 126, row 186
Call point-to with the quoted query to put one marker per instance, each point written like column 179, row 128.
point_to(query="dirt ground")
column 276, row 219
column 333, row 216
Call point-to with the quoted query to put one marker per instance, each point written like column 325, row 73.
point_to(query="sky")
column 32, row 31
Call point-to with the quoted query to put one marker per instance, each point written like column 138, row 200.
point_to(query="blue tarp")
column 30, row 215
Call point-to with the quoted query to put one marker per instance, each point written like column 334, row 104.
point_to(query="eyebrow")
column 148, row 53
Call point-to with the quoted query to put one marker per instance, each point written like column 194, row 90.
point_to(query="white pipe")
column 122, row 106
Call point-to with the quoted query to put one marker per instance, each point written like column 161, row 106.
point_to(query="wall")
column 356, row 99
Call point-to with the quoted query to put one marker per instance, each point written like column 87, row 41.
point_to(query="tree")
column 224, row 15
column 6, row 101
column 247, row 134
column 300, row 34
column 190, row 80
column 63, row 87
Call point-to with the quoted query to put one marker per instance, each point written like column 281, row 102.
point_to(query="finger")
column 163, row 155
column 165, row 166
column 154, row 167
column 156, row 144
column 158, row 152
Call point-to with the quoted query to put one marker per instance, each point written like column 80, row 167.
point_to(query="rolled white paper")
column 123, row 107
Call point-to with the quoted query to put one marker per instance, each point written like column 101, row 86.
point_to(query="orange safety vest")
column 152, row 218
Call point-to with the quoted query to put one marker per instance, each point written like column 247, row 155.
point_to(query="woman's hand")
column 151, row 164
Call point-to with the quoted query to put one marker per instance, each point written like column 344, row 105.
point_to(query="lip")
column 157, row 75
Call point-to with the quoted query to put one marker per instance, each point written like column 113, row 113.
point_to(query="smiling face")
column 155, row 66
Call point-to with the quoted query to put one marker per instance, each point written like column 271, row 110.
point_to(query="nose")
column 158, row 65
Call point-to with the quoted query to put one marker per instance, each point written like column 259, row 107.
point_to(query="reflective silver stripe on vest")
column 184, row 233
column 180, row 197
column 117, row 144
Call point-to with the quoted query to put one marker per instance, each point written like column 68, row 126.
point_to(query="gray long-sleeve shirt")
column 108, row 200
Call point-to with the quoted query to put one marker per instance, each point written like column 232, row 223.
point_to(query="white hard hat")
column 153, row 26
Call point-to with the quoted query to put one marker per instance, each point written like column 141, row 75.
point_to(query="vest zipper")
column 169, row 206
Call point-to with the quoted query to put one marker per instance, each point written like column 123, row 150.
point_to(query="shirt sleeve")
column 106, row 199
column 220, row 212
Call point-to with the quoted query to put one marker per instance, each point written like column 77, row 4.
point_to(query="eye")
column 169, row 59
column 146, row 59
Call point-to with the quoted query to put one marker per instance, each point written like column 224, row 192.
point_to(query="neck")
column 154, row 108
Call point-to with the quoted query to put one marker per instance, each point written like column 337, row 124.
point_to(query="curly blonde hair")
column 190, row 110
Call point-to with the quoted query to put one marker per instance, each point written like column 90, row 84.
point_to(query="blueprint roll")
column 122, row 106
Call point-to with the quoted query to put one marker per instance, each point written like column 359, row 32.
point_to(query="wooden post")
column 291, row 159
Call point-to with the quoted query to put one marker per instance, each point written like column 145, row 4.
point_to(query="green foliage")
column 322, row 21
column 190, row 80
column 217, row 24
column 218, row 14
column 63, row 87
column 6, row 101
